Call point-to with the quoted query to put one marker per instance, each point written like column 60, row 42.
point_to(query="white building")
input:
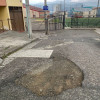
column 57, row 8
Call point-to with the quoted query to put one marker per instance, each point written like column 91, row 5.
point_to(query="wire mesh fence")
column 83, row 22
column 55, row 23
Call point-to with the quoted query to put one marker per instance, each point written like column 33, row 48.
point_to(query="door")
column 16, row 17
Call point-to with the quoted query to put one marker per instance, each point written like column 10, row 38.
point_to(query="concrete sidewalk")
column 12, row 41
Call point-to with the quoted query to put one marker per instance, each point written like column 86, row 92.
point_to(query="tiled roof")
column 34, row 8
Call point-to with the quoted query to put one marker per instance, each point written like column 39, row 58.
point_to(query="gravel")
column 83, row 50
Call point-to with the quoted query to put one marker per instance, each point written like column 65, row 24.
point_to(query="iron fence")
column 83, row 22
column 37, row 25
column 55, row 23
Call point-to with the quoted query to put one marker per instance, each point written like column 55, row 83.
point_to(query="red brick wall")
column 2, row 2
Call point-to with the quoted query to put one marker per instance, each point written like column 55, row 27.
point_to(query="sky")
column 41, row 1
column 38, row 1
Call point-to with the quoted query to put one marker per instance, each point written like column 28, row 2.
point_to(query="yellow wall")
column 4, row 15
column 14, row 3
column 4, row 11
column 17, row 3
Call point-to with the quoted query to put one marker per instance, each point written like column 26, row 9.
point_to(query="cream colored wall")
column 14, row 3
column 93, row 13
column 4, row 15
column 36, row 14
column 86, row 14
column 31, row 13
column 24, row 13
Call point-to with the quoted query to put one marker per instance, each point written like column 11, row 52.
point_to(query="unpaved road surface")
column 82, row 47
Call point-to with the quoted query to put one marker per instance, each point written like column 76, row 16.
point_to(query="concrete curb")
column 16, row 49
column 97, row 30
column 80, row 28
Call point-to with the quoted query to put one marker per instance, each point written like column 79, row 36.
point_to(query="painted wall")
column 32, row 12
column 14, row 3
column 24, row 13
column 4, row 15
column 93, row 13
column 4, row 11
column 86, row 14
column 2, row 2
column 36, row 14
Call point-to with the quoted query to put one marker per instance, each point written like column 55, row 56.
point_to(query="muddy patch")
column 61, row 75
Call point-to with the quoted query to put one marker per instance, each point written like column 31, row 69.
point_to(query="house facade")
column 35, row 12
column 95, row 12
column 11, row 14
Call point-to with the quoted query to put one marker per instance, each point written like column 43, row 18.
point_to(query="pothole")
column 62, row 75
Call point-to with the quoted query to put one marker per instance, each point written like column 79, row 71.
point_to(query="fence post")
column 55, row 22
column 71, row 22
column 63, row 22
column 46, row 23
column 8, row 23
column 2, row 25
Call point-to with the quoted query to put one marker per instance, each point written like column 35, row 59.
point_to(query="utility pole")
column 29, row 26
column 64, row 19
column 45, row 17
column 97, row 8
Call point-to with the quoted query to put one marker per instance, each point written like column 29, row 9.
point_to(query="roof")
column 96, row 8
column 34, row 8
column 77, row 9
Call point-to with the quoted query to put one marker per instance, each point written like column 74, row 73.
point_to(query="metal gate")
column 55, row 23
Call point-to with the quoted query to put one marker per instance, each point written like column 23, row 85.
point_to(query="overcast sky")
column 39, row 1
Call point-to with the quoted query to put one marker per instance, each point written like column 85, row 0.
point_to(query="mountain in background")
column 69, row 5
